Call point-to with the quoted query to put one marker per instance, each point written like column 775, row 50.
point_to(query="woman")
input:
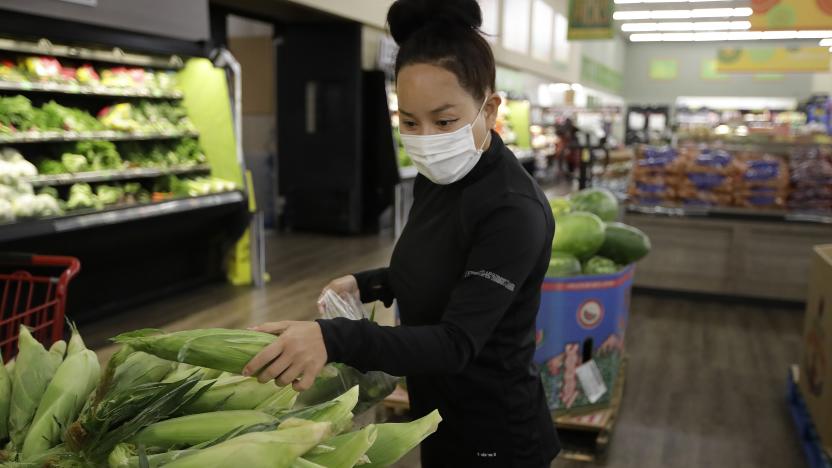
column 466, row 271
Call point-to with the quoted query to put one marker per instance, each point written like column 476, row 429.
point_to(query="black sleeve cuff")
column 373, row 285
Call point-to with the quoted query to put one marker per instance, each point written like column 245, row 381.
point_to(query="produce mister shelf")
column 110, row 154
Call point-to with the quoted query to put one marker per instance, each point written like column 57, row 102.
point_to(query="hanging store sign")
column 791, row 15
column 773, row 60
column 590, row 19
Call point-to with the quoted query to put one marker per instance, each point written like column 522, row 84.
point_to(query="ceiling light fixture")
column 683, row 14
column 687, row 26
column 729, row 36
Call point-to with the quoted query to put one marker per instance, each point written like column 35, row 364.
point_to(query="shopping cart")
column 33, row 294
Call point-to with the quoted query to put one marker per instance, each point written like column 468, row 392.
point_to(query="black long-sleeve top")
column 466, row 275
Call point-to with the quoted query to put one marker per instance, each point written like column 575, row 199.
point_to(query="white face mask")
column 445, row 158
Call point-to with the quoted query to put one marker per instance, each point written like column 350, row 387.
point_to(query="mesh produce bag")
column 336, row 378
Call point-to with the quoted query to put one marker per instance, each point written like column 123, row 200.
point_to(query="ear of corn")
column 5, row 399
column 394, row 440
column 235, row 392
column 304, row 463
column 76, row 343
column 348, row 448
column 10, row 366
column 124, row 456
column 281, row 400
column 182, row 370
column 373, row 386
column 34, row 369
column 140, row 368
column 119, row 416
column 281, row 448
column 339, row 414
column 62, row 401
column 215, row 348
column 58, row 348
column 186, row 431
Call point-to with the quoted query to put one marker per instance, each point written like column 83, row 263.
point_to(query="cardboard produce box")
column 816, row 361
column 582, row 319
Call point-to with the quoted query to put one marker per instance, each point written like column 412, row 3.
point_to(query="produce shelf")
column 107, row 176
column 115, row 215
column 84, row 90
column 735, row 213
column 63, row 137
column 114, row 55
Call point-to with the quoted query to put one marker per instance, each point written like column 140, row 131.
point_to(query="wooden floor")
column 705, row 384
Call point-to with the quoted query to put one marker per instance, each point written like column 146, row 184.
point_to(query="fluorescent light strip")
column 683, row 14
column 728, row 36
column 634, row 2
column 687, row 26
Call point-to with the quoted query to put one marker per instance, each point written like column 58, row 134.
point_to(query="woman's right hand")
column 343, row 286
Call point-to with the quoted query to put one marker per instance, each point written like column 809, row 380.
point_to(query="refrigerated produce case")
column 126, row 160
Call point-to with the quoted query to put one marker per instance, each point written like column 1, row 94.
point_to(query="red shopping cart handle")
column 72, row 264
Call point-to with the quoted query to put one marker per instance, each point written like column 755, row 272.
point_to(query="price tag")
column 591, row 380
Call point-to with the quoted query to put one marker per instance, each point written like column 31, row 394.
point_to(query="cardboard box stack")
column 816, row 360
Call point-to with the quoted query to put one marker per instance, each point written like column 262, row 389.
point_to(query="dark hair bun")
column 405, row 17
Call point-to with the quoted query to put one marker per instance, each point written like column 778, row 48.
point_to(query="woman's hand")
column 343, row 286
column 296, row 357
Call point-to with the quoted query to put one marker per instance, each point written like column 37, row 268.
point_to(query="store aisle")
column 705, row 384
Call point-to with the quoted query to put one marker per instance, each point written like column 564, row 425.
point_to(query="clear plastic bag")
column 336, row 379
column 334, row 305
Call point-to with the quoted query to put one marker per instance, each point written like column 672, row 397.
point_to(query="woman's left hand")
column 296, row 357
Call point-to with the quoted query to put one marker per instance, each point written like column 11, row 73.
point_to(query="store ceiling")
column 695, row 21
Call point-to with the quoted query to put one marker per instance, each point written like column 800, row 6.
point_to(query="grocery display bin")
column 34, row 291
column 581, row 318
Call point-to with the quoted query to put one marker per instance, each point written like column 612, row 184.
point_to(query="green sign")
column 590, row 19
column 710, row 71
column 600, row 74
column 664, row 69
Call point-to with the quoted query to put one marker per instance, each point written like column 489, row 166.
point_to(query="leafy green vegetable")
column 17, row 112
column 59, row 117
column 49, row 191
column 108, row 194
column 81, row 196
column 74, row 162
column 51, row 167
column 102, row 155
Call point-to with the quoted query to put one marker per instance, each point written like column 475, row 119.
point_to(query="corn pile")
column 177, row 400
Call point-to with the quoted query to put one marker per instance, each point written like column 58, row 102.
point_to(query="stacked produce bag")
column 703, row 176
column 762, row 181
column 654, row 178
column 178, row 400
column 588, row 240
column 706, row 177
column 811, row 179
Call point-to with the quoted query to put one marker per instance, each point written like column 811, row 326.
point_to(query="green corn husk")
column 141, row 368
column 124, row 456
column 337, row 411
column 58, row 348
column 234, row 392
column 186, row 431
column 118, row 416
column 5, row 400
column 348, row 448
column 215, row 348
column 62, row 401
column 395, row 440
column 279, row 449
column 181, row 370
column 374, row 386
column 76, row 343
column 304, row 463
column 10, row 366
column 34, row 370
